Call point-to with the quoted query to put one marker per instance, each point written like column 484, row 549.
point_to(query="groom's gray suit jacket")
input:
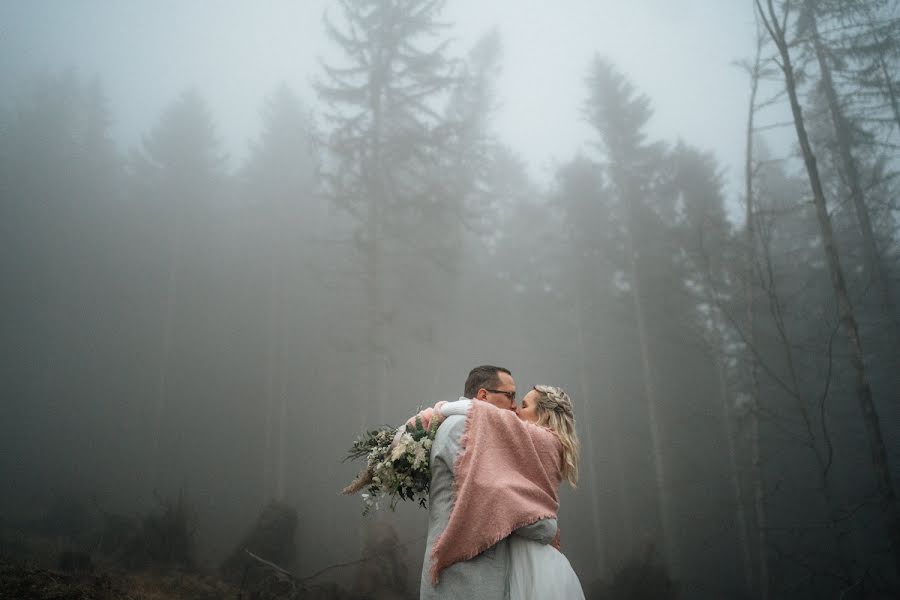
column 487, row 575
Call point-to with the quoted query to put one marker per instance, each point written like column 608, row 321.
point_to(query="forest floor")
column 39, row 567
column 26, row 582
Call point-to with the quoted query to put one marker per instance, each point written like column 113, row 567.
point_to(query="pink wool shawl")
column 506, row 476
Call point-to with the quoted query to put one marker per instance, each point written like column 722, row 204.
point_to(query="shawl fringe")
column 436, row 568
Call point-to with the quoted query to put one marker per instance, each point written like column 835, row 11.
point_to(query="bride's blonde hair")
column 554, row 410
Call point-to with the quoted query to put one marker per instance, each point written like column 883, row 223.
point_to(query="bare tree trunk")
column 874, row 436
column 375, row 359
column 835, row 518
column 759, row 506
column 740, row 516
column 276, row 367
column 588, row 436
column 281, row 462
column 624, row 509
column 281, row 360
column 848, row 162
column 629, row 529
column 271, row 368
column 162, row 385
column 667, row 536
column 716, row 345
column 758, row 481
column 378, row 196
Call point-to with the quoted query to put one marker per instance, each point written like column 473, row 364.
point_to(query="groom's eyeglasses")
column 510, row 395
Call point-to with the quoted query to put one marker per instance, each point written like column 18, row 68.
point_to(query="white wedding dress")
column 537, row 571
column 540, row 571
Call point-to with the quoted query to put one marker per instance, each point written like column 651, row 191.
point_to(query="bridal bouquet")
column 397, row 465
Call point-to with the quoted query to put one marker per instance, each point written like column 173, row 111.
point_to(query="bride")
column 543, row 450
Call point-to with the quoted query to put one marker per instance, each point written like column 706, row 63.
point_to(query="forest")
column 190, row 344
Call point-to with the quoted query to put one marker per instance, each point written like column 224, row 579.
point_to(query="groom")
column 485, row 575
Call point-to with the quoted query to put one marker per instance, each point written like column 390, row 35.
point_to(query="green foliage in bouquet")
column 371, row 441
column 399, row 471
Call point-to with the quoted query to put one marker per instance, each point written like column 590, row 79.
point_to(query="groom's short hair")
column 485, row 376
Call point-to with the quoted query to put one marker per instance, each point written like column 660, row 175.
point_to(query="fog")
column 236, row 54
column 231, row 246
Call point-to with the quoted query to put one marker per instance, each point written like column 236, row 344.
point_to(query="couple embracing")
column 496, row 469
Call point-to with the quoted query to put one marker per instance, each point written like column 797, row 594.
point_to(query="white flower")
column 398, row 451
column 419, row 456
column 402, row 445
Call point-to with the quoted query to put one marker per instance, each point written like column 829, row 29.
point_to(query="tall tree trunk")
column 271, row 366
column 740, row 514
column 629, row 529
column 276, row 367
column 874, row 436
column 624, row 511
column 848, row 162
column 759, row 504
column 667, row 535
column 588, row 436
column 281, row 459
column 375, row 344
column 758, row 481
column 162, row 383
column 836, row 518
column 375, row 360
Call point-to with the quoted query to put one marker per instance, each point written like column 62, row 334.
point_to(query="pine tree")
column 584, row 200
column 386, row 137
column 619, row 115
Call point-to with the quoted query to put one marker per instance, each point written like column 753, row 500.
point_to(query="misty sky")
column 235, row 52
